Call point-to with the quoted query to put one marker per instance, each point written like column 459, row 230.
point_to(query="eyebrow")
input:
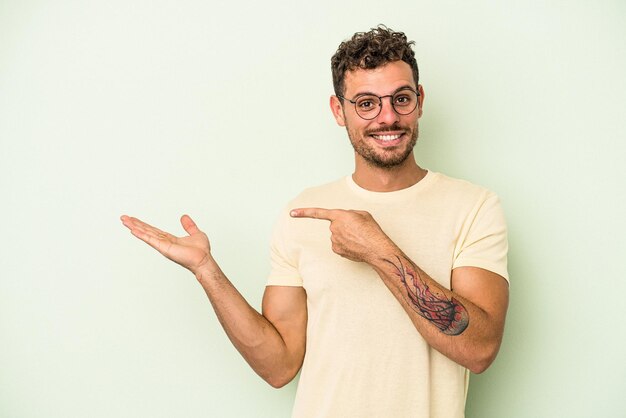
column 369, row 93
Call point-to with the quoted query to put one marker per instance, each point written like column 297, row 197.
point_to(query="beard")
column 386, row 158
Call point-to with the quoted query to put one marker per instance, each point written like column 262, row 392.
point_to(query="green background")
column 220, row 110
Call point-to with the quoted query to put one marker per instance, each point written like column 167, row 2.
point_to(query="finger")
column 144, row 231
column 131, row 222
column 315, row 213
column 145, row 227
column 149, row 239
column 189, row 225
column 126, row 221
column 157, row 239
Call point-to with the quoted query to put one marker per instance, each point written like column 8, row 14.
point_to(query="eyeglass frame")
column 380, row 105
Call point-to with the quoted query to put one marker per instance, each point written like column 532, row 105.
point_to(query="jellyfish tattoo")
column 450, row 316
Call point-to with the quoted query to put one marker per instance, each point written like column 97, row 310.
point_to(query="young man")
column 405, row 292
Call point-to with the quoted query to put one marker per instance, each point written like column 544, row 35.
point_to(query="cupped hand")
column 192, row 251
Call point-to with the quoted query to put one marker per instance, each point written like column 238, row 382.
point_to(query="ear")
column 337, row 109
column 420, row 101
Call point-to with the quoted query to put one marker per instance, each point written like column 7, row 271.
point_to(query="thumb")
column 189, row 225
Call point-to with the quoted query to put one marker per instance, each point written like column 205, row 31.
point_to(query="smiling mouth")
column 386, row 138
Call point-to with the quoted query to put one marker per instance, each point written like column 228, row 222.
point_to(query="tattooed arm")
column 447, row 314
column 464, row 323
column 273, row 343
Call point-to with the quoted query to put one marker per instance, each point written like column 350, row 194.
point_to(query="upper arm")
column 285, row 308
column 487, row 290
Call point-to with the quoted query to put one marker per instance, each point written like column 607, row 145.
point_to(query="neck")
column 378, row 179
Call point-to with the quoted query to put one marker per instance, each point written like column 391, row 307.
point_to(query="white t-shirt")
column 364, row 357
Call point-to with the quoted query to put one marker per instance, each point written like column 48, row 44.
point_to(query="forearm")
column 465, row 325
column 275, row 355
column 449, row 322
column 252, row 334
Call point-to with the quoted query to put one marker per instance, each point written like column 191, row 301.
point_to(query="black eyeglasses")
column 369, row 106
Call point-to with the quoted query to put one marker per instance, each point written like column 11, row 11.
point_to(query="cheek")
column 357, row 126
column 412, row 122
column 356, row 133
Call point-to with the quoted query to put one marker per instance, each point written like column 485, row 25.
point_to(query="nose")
column 387, row 115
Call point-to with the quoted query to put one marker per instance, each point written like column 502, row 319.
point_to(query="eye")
column 366, row 104
column 403, row 100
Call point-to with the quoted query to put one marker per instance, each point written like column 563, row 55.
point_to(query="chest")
column 428, row 239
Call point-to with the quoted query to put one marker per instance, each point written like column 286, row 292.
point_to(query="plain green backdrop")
column 220, row 110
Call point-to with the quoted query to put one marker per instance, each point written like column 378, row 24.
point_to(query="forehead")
column 381, row 80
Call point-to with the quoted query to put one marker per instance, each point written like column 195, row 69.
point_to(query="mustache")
column 391, row 128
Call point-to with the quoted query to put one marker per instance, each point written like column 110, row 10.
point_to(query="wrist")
column 383, row 252
column 207, row 271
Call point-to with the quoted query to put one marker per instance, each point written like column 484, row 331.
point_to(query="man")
column 402, row 295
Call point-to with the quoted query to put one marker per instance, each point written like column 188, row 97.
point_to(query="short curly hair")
column 369, row 50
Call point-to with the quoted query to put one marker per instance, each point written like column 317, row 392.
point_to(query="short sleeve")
column 283, row 268
column 483, row 242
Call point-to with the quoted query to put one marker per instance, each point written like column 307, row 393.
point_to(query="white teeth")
column 386, row 137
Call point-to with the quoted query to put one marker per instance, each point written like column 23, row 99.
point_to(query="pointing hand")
column 355, row 234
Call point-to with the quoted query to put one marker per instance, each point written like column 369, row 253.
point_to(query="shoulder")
column 321, row 194
column 447, row 183
column 457, row 190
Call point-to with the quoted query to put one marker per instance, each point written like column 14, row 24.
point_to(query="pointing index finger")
column 314, row 213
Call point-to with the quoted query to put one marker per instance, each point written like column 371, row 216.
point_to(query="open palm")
column 191, row 251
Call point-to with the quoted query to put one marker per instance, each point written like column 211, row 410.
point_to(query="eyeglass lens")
column 369, row 106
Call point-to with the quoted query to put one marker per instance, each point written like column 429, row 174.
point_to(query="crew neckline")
column 424, row 182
